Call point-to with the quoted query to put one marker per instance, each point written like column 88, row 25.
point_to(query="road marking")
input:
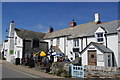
column 22, row 72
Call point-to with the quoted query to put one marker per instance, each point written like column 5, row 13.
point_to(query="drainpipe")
column 105, row 38
column 65, row 45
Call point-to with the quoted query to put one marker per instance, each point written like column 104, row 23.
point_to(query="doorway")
column 92, row 58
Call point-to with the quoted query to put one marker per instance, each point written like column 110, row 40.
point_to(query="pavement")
column 10, row 70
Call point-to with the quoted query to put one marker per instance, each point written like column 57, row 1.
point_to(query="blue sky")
column 39, row 16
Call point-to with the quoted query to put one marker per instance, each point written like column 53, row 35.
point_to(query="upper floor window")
column 76, row 42
column 51, row 42
column 58, row 42
column 15, row 40
column 100, row 37
column 35, row 43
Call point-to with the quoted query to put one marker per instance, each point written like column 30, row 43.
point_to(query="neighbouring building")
column 23, row 43
column 96, row 42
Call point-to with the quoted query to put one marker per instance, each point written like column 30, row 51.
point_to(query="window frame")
column 100, row 38
column 15, row 40
column 58, row 41
column 76, row 42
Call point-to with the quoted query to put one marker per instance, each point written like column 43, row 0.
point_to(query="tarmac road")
column 10, row 70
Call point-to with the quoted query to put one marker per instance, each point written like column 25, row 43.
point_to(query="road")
column 10, row 70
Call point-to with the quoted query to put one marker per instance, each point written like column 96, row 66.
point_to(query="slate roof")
column 100, row 47
column 26, row 34
column 83, row 30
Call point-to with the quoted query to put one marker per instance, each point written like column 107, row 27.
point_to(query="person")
column 51, row 59
column 59, row 60
column 44, row 62
column 48, row 65
column 39, row 61
column 26, row 61
column 32, row 63
column 66, row 59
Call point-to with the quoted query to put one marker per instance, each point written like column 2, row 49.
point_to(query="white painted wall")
column 85, row 57
column 6, row 47
column 119, row 47
column 69, row 49
column 111, row 39
column 113, row 45
column 18, row 47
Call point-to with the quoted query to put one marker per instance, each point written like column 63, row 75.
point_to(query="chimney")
column 97, row 18
column 12, row 21
column 51, row 29
column 72, row 24
column 11, row 31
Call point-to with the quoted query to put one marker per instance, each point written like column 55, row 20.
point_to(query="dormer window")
column 99, row 37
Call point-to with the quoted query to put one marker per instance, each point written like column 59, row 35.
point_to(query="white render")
column 16, row 47
column 112, row 43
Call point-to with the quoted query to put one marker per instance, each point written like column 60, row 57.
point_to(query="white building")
column 23, row 43
column 96, row 42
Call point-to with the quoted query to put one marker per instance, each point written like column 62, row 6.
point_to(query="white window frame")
column 75, row 42
column 15, row 40
column 51, row 42
column 100, row 37
column 18, row 53
column 57, row 41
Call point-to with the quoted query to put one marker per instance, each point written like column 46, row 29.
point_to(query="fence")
column 77, row 71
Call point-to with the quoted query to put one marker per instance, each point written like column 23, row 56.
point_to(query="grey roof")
column 82, row 30
column 26, row 34
column 100, row 47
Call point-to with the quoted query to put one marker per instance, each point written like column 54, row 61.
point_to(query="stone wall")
column 101, row 72
column 61, row 69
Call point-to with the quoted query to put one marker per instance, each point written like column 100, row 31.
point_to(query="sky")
column 39, row 16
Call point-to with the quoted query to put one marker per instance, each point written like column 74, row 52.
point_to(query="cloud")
column 42, row 28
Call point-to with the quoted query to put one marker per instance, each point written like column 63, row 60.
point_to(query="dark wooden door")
column 92, row 58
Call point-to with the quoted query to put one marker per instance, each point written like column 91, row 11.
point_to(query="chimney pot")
column 97, row 17
column 51, row 29
column 12, row 21
column 72, row 24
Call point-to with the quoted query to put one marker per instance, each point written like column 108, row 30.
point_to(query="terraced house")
column 96, row 42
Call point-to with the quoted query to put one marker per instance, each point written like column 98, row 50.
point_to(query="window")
column 100, row 37
column 15, row 40
column 76, row 42
column 92, row 56
column 35, row 43
column 18, row 54
column 51, row 42
column 58, row 42
column 109, row 60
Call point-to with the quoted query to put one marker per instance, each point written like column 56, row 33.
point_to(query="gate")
column 77, row 71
